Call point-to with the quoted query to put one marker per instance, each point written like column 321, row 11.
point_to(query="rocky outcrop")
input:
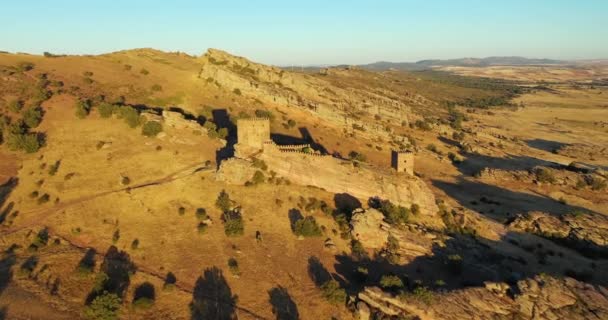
column 369, row 228
column 539, row 298
column 235, row 171
column 339, row 176
column 584, row 232
column 176, row 120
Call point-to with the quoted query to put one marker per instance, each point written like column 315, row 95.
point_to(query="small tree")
column 233, row 224
column 333, row 293
column 307, row 227
column 105, row 110
column 391, row 282
column 104, row 307
column 32, row 117
column 223, row 201
column 15, row 105
column 82, row 109
column 151, row 128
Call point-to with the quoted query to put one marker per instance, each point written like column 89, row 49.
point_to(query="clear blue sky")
column 313, row 31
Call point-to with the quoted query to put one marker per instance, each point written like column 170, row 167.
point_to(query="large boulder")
column 369, row 228
column 235, row 171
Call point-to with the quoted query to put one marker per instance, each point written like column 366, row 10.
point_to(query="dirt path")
column 38, row 216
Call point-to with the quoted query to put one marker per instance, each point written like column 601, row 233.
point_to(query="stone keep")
column 403, row 161
column 252, row 133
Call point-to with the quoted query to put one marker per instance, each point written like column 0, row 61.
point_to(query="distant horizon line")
column 309, row 65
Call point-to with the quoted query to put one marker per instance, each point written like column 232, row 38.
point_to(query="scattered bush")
column 358, row 250
column 127, row 67
column 333, row 293
column 260, row 164
column 105, row 110
column 144, row 72
column 201, row 214
column 233, row 223
column 544, row 175
column 54, row 167
column 32, row 117
column 223, row 201
column 394, row 214
column 135, row 244
column 115, row 236
column 104, row 307
column 157, row 87
column 258, row 177
column 422, row 294
column 415, row 209
column 291, row 123
column 307, row 227
column 233, row 265
column 44, row 198
column 25, row 66
column 423, row 125
column 201, row 228
column 130, row 115
column 151, row 128
column 125, row 180
column 27, row 142
column 356, row 156
column 15, row 105
column 391, row 282
column 237, row 91
column 181, row 211
column 260, row 113
column 82, row 109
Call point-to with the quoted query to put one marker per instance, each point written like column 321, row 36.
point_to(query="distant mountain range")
column 463, row 62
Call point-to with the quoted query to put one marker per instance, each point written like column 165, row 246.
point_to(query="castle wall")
column 339, row 176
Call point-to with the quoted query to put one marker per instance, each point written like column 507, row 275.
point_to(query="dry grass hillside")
column 111, row 203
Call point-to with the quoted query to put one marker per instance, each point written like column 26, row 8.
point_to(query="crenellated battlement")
column 253, row 119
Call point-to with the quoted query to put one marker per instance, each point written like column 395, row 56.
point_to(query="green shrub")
column 357, row 249
column 157, row 87
column 54, row 167
column 423, row 125
column 15, row 105
column 181, row 211
column 222, row 133
column 237, row 91
column 130, row 115
column 333, row 293
column 116, row 236
column 127, row 67
column 144, row 72
column 233, row 224
column 391, row 282
column 201, row 228
column 394, row 214
column 82, row 109
column 143, row 303
column 201, row 214
column 151, row 128
column 260, row 113
column 291, row 123
column 44, row 198
column 25, row 66
column 32, row 117
column 307, row 227
column 544, row 175
column 258, row 177
column 104, row 307
column 423, row 294
column 260, row 164
column 415, row 209
column 105, row 110
column 27, row 142
column 356, row 156
column 135, row 244
column 223, row 201
column 233, row 265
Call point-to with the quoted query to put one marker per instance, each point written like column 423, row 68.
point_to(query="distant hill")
column 465, row 62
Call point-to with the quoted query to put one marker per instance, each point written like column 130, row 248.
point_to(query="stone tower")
column 251, row 135
column 403, row 161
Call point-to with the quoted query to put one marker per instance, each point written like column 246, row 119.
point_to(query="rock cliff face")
column 541, row 298
column 339, row 176
column 304, row 91
column 587, row 233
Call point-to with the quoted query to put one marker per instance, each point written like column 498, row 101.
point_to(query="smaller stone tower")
column 403, row 161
